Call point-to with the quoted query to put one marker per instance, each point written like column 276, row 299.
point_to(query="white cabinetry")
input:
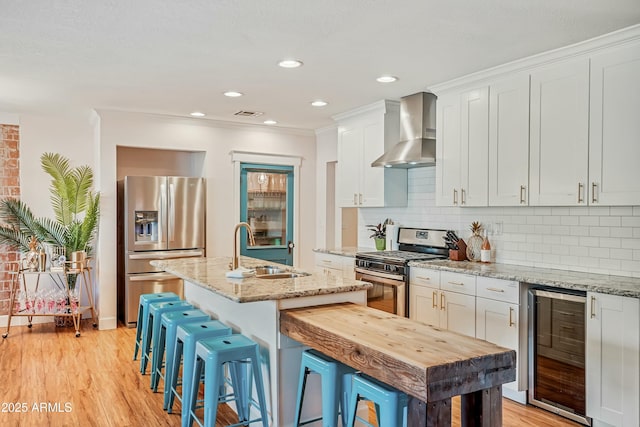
column 509, row 141
column 614, row 151
column 335, row 264
column 559, row 136
column 443, row 299
column 363, row 136
column 613, row 362
column 462, row 149
column 497, row 321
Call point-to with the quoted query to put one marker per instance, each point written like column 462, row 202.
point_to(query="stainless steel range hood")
column 417, row 146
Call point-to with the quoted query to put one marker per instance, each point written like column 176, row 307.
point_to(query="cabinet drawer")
column 329, row 261
column 424, row 277
column 497, row 289
column 457, row 282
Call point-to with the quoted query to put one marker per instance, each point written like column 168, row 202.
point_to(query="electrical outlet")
column 497, row 228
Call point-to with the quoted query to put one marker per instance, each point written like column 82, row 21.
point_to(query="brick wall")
column 9, row 187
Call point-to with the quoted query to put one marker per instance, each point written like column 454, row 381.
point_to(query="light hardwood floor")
column 51, row 378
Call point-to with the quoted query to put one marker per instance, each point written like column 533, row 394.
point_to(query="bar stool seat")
column 391, row 404
column 166, row 341
column 156, row 309
column 143, row 315
column 331, row 372
column 211, row 355
column 185, row 348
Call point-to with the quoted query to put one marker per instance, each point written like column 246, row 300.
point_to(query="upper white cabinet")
column 614, row 138
column 559, row 136
column 562, row 129
column 612, row 358
column 509, row 141
column 462, row 148
column 363, row 135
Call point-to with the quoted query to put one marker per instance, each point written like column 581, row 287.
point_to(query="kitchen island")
column 251, row 306
column 431, row 365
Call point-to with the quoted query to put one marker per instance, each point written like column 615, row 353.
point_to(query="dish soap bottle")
column 485, row 250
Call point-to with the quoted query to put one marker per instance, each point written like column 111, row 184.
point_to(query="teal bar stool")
column 187, row 336
column 152, row 331
column 211, row 355
column 166, row 341
column 391, row 404
column 331, row 373
column 143, row 315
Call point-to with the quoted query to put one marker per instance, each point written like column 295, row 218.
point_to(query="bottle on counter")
column 485, row 250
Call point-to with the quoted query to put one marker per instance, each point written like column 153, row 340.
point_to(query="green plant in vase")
column 76, row 208
column 379, row 235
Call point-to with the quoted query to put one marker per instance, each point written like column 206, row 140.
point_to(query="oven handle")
column 386, row 279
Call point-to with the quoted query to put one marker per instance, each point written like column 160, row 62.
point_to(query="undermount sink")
column 273, row 272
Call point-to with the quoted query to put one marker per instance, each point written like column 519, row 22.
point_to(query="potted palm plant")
column 75, row 206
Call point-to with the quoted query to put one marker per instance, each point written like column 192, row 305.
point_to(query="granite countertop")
column 349, row 251
column 602, row 283
column 209, row 273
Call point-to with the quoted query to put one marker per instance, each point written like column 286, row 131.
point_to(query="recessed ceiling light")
column 198, row 114
column 233, row 94
column 270, row 122
column 319, row 103
column 386, row 79
column 290, row 63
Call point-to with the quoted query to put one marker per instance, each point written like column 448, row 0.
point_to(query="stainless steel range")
column 388, row 271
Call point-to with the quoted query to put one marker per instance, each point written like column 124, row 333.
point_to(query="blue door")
column 266, row 203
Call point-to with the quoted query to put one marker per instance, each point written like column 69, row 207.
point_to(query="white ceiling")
column 174, row 57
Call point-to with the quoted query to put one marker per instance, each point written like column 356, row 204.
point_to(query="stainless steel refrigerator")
column 159, row 217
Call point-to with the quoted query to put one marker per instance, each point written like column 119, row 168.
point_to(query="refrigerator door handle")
column 161, row 215
column 171, row 211
column 158, row 277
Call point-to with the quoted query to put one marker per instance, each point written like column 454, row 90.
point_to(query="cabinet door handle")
column 463, row 199
column 355, row 199
column 423, row 278
column 495, row 289
column 580, row 189
column 434, row 300
column 360, row 198
column 593, row 307
column 455, row 196
column 511, row 322
column 326, row 261
column 523, row 194
column 456, row 283
column 442, row 301
column 593, row 192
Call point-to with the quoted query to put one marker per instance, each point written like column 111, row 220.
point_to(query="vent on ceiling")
column 244, row 113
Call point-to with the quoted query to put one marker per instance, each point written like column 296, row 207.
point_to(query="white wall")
column 597, row 239
column 326, row 151
column 92, row 139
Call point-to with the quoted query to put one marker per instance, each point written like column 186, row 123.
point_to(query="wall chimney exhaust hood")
column 417, row 146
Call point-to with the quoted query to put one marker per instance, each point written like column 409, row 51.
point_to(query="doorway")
column 266, row 203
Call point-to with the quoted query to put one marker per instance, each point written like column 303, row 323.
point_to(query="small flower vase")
column 380, row 243
column 474, row 246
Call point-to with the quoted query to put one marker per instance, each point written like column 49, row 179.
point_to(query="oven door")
column 388, row 292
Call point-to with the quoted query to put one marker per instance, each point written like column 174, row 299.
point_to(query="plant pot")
column 380, row 243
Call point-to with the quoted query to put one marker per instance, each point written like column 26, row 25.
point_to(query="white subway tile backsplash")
column 589, row 220
column 610, row 221
column 597, row 239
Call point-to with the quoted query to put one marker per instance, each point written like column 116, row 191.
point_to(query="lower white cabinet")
column 443, row 299
column 335, row 264
column 497, row 321
column 613, row 359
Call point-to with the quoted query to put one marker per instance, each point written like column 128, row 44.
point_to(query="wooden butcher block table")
column 427, row 363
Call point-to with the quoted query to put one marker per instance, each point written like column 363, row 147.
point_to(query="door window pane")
column 267, row 207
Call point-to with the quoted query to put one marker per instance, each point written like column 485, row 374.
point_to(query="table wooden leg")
column 432, row 414
column 482, row 408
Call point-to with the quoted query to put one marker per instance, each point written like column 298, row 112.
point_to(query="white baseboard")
column 518, row 396
column 106, row 323
column 23, row 320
